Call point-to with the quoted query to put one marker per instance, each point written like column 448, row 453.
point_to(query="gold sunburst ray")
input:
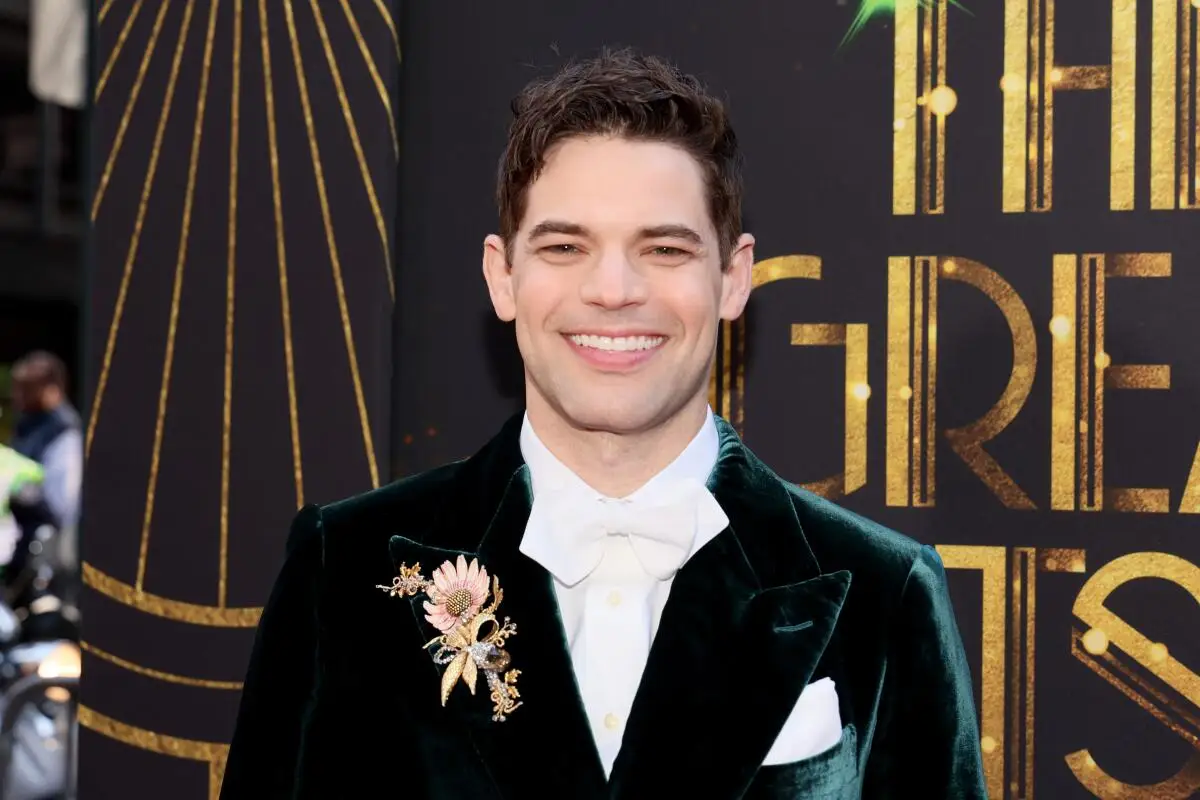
column 133, row 33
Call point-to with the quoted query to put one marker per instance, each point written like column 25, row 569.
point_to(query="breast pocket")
column 829, row 775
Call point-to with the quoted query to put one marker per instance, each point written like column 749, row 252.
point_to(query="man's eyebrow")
column 550, row 226
column 672, row 232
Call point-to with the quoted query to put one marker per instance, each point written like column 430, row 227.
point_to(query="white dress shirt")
column 611, row 611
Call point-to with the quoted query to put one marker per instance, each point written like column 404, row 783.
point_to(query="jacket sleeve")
column 927, row 741
column 268, row 741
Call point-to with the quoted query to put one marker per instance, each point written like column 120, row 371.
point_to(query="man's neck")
column 616, row 464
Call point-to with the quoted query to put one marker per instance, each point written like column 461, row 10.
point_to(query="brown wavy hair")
column 622, row 93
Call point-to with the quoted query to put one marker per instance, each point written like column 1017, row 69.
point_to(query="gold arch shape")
column 134, row 595
column 156, row 674
column 214, row 753
column 165, row 607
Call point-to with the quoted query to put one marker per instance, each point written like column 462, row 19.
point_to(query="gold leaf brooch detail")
column 472, row 638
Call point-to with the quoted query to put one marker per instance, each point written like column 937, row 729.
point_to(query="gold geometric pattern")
column 1084, row 372
column 919, row 124
column 135, row 168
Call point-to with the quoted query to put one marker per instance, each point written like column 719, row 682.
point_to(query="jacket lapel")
column 747, row 622
column 545, row 747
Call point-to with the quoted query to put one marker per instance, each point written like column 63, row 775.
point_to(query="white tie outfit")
column 613, row 561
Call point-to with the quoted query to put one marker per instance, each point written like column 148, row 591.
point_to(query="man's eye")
column 669, row 252
column 560, row 249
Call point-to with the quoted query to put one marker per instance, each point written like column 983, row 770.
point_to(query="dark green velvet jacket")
column 341, row 701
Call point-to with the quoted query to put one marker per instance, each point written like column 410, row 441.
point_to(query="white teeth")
column 618, row 343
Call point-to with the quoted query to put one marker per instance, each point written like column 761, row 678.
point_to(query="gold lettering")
column 899, row 380
column 857, row 391
column 1063, row 432
column 921, row 101
column 967, row 441
column 904, row 104
column 990, row 561
column 1081, row 378
column 1190, row 503
column 727, row 386
column 1162, row 104
column 1032, row 78
column 912, row 381
column 1093, row 647
column 1015, row 85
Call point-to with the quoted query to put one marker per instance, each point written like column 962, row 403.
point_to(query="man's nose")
column 614, row 282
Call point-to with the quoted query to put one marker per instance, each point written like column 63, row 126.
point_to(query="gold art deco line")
column 939, row 166
column 1194, row 121
column 375, row 76
column 1030, row 665
column 932, row 269
column 116, row 51
column 159, row 675
column 231, row 273
column 177, row 288
column 899, row 381
column 926, row 24
column 1185, row 91
column 904, row 109
column 281, row 255
column 359, row 155
column 991, row 561
column 119, row 139
column 1045, row 81
column 118, row 310
column 211, row 752
column 334, row 259
column 167, row 608
column 391, row 24
column 916, row 380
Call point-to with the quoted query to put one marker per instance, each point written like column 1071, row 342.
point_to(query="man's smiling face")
column 615, row 283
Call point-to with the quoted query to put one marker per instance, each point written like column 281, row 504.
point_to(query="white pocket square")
column 815, row 725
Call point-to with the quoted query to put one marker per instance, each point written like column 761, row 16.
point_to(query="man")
column 48, row 431
column 637, row 605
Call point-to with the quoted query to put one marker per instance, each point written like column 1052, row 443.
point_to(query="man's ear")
column 736, row 281
column 498, row 275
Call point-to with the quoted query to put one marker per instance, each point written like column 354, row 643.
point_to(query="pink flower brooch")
column 472, row 639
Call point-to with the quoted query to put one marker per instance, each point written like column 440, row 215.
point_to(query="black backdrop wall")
column 239, row 348
column 972, row 322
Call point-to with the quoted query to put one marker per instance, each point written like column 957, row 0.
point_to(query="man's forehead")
column 618, row 186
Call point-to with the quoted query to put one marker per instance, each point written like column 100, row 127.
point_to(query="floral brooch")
column 472, row 639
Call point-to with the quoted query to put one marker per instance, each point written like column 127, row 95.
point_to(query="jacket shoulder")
column 843, row 539
column 414, row 499
column 409, row 503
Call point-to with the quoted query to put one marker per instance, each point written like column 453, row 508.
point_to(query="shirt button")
column 611, row 721
column 614, row 598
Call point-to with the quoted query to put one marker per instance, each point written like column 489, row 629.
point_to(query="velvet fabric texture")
column 341, row 701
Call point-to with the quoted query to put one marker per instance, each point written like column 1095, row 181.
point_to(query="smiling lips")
column 615, row 353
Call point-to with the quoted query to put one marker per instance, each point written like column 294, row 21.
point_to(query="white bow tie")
column 660, row 531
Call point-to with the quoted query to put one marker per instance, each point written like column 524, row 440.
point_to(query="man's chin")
column 622, row 416
column 589, row 417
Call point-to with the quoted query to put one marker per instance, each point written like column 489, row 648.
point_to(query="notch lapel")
column 545, row 747
column 747, row 622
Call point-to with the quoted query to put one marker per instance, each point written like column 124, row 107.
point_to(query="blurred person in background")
column 49, row 431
